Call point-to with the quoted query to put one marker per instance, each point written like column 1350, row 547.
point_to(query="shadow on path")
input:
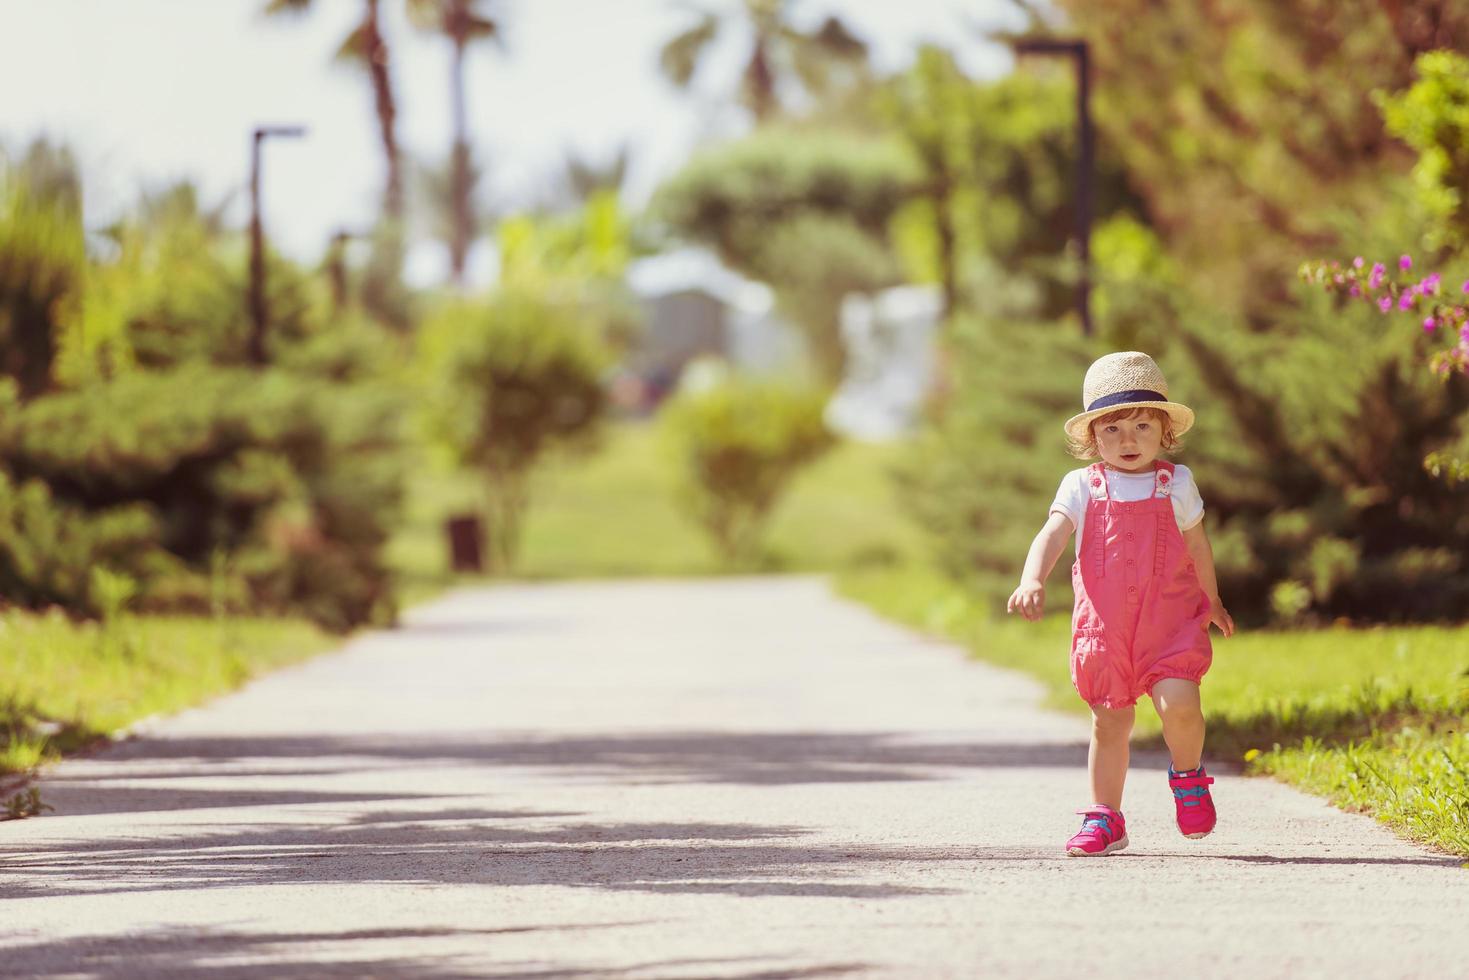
column 762, row 758
column 216, row 954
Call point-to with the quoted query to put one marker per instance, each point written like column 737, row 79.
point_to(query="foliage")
column 1249, row 127
column 1432, row 116
column 981, row 478
column 782, row 58
column 42, row 265
column 510, row 379
column 740, row 443
column 156, row 473
column 806, row 211
column 997, row 201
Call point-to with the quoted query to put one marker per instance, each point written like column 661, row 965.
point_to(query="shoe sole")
column 1197, row 836
column 1116, row 845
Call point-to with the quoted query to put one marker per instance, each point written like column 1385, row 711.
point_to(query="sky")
column 146, row 92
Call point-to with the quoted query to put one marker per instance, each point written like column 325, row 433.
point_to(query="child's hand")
column 1029, row 600
column 1220, row 617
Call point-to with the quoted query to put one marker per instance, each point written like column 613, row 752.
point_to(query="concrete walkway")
column 745, row 778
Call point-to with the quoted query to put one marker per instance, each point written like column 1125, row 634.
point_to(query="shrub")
column 283, row 485
column 510, row 379
column 982, row 478
column 740, row 443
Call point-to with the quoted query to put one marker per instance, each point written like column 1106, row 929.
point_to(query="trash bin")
column 466, row 543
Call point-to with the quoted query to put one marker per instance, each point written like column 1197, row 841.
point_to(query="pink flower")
column 1385, row 304
column 1355, row 291
column 1464, row 335
column 1430, row 283
column 1464, row 288
column 1405, row 262
column 1405, row 301
column 1339, row 279
column 1358, row 262
column 1374, row 279
column 1429, row 325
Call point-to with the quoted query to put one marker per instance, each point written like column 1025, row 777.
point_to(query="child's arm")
column 1199, row 550
column 1030, row 597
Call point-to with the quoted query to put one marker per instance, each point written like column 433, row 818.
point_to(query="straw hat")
column 1127, row 379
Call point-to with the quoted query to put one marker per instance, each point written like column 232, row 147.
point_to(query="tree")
column 461, row 21
column 365, row 48
column 1249, row 127
column 42, row 261
column 807, row 212
column 383, row 293
column 781, row 55
column 510, row 380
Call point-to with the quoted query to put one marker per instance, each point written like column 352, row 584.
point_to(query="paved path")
column 745, row 778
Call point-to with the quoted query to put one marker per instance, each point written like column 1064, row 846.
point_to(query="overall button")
column 1129, row 535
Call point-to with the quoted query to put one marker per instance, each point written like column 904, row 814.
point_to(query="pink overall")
column 1140, row 615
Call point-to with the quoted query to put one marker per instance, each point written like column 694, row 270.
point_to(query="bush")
column 740, row 443
column 280, row 486
column 510, row 379
column 982, row 479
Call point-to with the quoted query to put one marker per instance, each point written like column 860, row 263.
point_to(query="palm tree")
column 461, row 23
column 815, row 59
column 365, row 48
column 584, row 177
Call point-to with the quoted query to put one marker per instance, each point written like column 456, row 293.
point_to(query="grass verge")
column 1376, row 720
column 66, row 684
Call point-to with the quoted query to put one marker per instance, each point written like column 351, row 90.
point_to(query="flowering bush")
column 1404, row 292
column 1427, row 302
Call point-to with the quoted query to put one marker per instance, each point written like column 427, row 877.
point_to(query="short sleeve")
column 1070, row 498
column 1188, row 504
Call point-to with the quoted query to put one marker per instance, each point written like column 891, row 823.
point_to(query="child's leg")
column 1177, row 701
column 1106, row 761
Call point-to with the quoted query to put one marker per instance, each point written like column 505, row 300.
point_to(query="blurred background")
column 297, row 298
column 309, row 309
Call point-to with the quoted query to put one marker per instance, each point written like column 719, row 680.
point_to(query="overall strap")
column 1163, row 489
column 1096, row 485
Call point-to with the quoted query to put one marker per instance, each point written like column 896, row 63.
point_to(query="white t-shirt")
column 1072, row 495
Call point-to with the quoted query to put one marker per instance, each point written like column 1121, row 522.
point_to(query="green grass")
column 1373, row 719
column 615, row 514
column 66, row 684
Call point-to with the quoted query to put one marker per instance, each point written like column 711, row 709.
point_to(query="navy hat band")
column 1126, row 398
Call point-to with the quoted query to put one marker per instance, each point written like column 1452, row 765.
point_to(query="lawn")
column 615, row 513
column 67, row 684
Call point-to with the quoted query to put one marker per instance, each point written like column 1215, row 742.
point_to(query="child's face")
column 1131, row 444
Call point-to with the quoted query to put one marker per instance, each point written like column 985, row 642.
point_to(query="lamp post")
column 336, row 266
column 1077, row 51
column 258, row 311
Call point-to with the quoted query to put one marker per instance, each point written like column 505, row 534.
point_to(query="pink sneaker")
column 1196, row 816
column 1102, row 831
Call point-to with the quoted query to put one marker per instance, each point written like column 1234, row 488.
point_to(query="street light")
column 336, row 266
column 258, row 312
column 1076, row 50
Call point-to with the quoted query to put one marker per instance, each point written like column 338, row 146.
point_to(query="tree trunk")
column 387, row 113
column 463, row 218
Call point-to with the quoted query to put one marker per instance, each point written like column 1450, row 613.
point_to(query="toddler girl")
column 1145, row 590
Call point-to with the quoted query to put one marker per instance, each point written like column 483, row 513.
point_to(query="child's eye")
column 1110, row 428
column 1142, row 425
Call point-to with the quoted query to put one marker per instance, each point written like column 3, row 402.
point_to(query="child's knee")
column 1110, row 723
